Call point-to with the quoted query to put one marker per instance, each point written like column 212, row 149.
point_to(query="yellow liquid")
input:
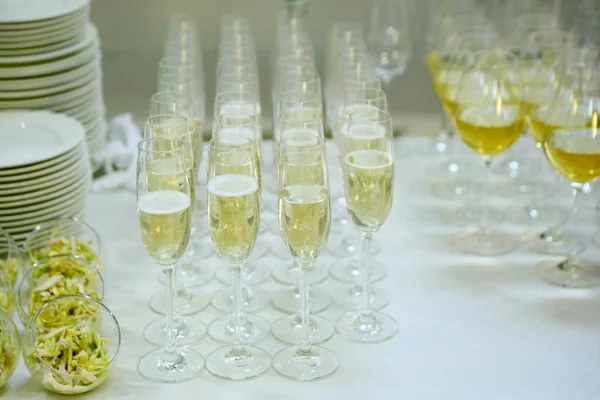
column 304, row 220
column 369, row 188
column 165, row 218
column 233, row 216
column 543, row 122
column 575, row 154
column 489, row 131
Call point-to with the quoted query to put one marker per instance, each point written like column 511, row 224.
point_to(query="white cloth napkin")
column 119, row 156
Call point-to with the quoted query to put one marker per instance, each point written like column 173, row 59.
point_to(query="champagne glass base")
column 186, row 366
column 238, row 363
column 536, row 215
column 253, row 273
column 201, row 247
column 470, row 215
column 253, row 329
column 289, row 329
column 288, row 300
column 287, row 274
column 372, row 328
column 315, row 363
column 348, row 270
column 350, row 299
column 186, row 303
column 191, row 274
column 494, row 243
column 348, row 246
column 254, row 300
column 187, row 331
column 450, row 189
column 555, row 242
column 580, row 275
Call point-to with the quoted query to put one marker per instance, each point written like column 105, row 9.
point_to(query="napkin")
column 119, row 156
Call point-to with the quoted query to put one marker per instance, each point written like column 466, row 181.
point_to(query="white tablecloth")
column 470, row 327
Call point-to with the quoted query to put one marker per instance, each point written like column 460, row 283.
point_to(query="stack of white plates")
column 44, row 170
column 50, row 59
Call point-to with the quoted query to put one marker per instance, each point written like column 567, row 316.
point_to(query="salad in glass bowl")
column 71, row 344
column 10, row 346
column 11, row 257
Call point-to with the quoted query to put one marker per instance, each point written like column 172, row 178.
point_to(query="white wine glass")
column 369, row 187
column 164, row 210
column 234, row 218
column 187, row 330
column 304, row 222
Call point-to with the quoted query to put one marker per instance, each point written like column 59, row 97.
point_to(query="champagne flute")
column 187, row 330
column 164, row 211
column 304, row 222
column 489, row 118
column 234, row 218
column 368, row 181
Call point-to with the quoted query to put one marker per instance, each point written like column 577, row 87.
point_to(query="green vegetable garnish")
column 65, row 245
column 7, row 301
column 10, row 267
column 8, row 355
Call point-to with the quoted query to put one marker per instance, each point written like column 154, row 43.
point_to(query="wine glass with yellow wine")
column 489, row 118
column 574, row 151
column 164, row 204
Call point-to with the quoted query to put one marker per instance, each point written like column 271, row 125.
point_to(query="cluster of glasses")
column 496, row 81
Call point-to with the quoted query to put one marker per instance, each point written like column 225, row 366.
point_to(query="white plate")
column 26, row 223
column 72, row 84
column 23, row 231
column 58, row 34
column 46, row 212
column 51, row 100
column 34, row 136
column 34, row 191
column 9, row 175
column 33, row 10
column 90, row 38
column 30, row 35
column 15, row 52
column 56, row 24
column 38, row 82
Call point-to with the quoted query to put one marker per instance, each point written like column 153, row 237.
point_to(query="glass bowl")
column 11, row 257
column 65, row 236
column 7, row 294
column 71, row 344
column 55, row 276
column 10, row 347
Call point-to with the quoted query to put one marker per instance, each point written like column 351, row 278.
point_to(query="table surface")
column 469, row 327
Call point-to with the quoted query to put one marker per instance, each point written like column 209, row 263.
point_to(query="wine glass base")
column 494, row 243
column 238, row 364
column 470, row 215
column 581, row 275
column 253, row 273
column 288, row 300
column 433, row 147
column 187, row 331
column 289, row 329
column 450, row 189
column 348, row 270
column 536, row 215
column 316, row 363
column 185, row 303
column 348, row 246
column 554, row 242
column 254, row 300
column 253, row 330
column 349, row 299
column 202, row 247
column 376, row 327
column 287, row 274
column 186, row 367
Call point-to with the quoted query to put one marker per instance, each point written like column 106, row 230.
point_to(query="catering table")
column 469, row 327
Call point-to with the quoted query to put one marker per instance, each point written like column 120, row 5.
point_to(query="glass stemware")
column 164, row 203
column 234, row 218
column 304, row 222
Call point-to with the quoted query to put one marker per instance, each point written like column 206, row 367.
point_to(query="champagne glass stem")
column 364, row 273
column 485, row 194
column 576, row 189
column 170, row 355
column 304, row 292
column 237, row 307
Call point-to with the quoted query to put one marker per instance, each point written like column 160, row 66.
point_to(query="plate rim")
column 32, row 10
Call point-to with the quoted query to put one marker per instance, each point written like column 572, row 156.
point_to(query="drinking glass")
column 489, row 118
column 187, row 330
column 389, row 37
column 304, row 222
column 234, row 218
column 164, row 210
column 368, row 182
column 11, row 258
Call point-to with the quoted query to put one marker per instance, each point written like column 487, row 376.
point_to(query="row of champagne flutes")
column 496, row 85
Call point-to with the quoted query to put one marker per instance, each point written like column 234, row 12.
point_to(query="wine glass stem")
column 363, row 276
column 170, row 353
column 485, row 193
column 304, row 311
column 237, row 306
